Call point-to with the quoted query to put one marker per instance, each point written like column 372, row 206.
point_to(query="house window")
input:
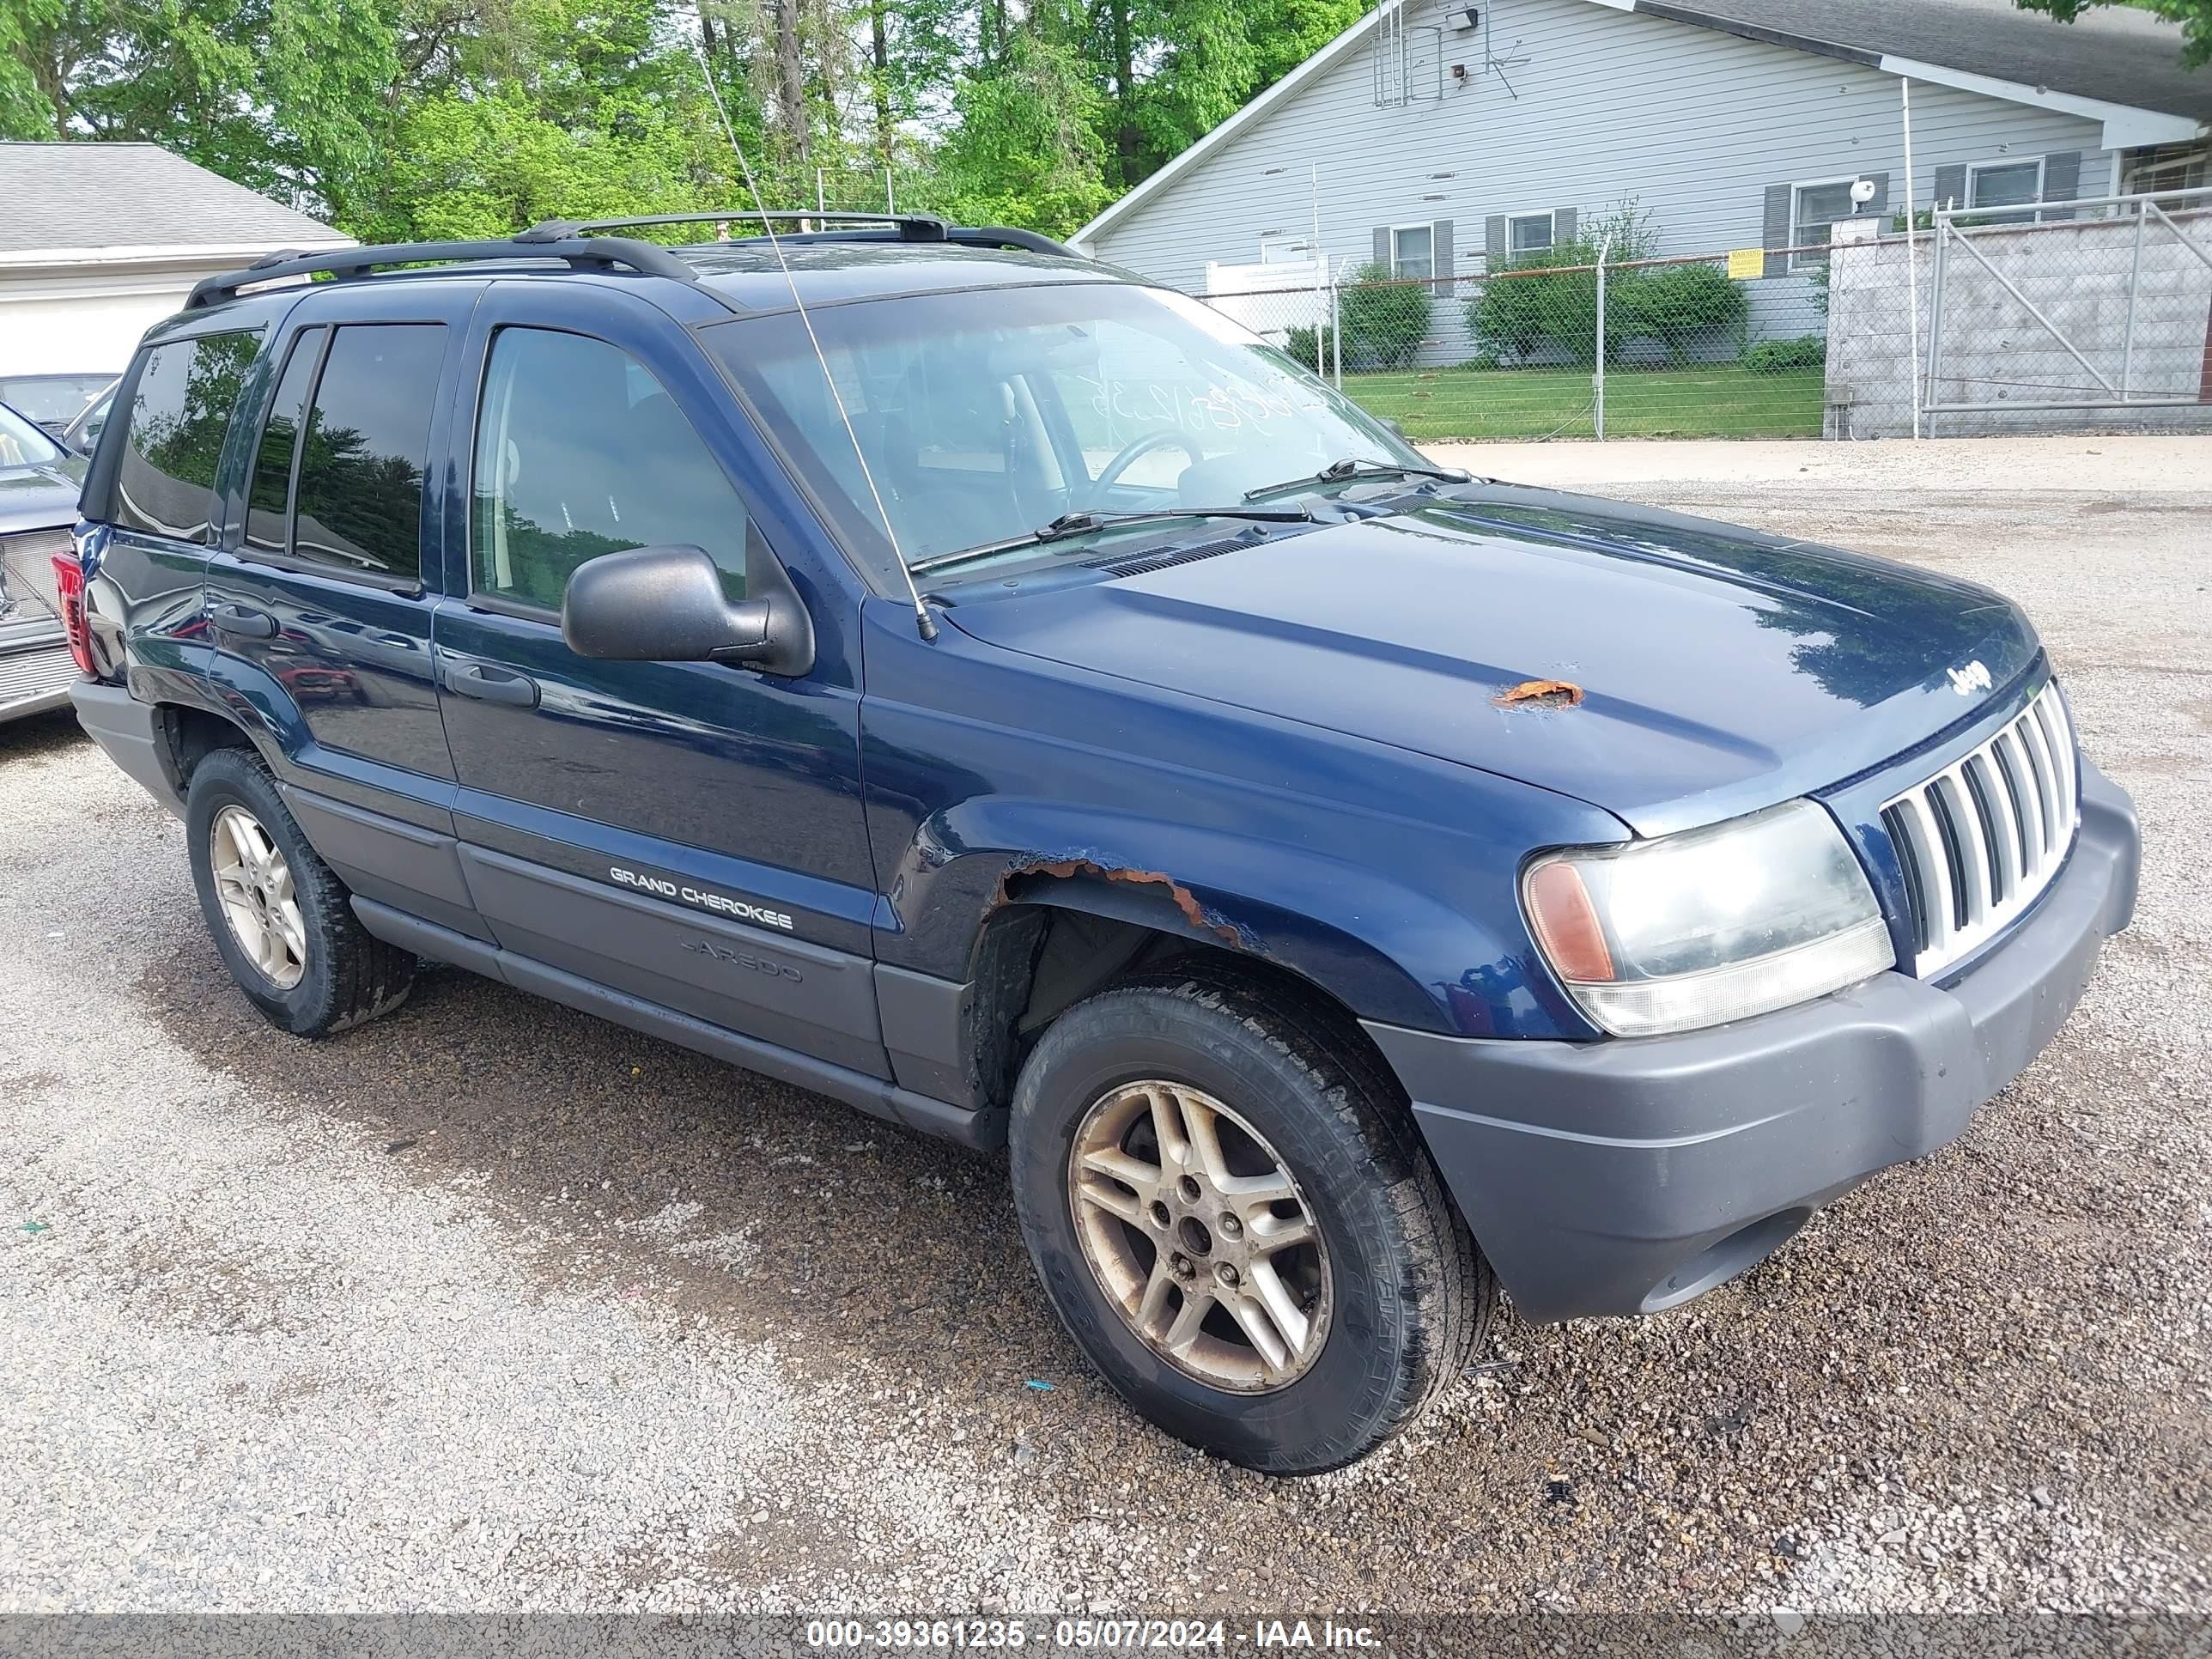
column 2005, row 184
column 1529, row 233
column 2158, row 168
column 1815, row 209
column 1413, row 251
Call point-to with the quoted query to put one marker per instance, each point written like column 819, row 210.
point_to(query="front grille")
column 1980, row 840
column 27, row 574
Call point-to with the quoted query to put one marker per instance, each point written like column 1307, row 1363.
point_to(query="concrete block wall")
column 1988, row 348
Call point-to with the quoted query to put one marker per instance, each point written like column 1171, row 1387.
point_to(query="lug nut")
column 1188, row 1188
column 1226, row 1274
column 1179, row 1265
column 1232, row 1227
column 1159, row 1213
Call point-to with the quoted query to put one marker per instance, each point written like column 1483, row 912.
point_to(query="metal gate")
column 2102, row 304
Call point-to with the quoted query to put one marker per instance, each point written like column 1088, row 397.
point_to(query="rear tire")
column 280, row 919
column 1151, row 1080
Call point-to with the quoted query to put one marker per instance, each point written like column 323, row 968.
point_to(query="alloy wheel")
column 1200, row 1237
column 260, row 903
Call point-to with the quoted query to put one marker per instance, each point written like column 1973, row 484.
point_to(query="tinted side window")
column 269, row 494
column 360, row 499
column 580, row 452
column 179, row 412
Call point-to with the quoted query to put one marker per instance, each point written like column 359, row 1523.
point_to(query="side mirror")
column 667, row 605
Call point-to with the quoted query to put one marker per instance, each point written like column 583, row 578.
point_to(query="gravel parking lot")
column 491, row 1305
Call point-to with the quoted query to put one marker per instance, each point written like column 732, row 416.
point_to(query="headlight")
column 1708, row 926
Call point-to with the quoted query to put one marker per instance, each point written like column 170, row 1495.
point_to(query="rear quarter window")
column 178, row 413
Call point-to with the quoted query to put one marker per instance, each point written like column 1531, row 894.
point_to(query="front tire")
column 1236, row 1218
column 280, row 919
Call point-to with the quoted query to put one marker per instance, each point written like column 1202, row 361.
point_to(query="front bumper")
column 1741, row 1132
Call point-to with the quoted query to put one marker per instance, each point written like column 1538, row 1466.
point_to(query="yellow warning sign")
column 1746, row 262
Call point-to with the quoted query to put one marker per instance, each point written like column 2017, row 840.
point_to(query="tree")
column 1027, row 149
column 1384, row 320
column 400, row 117
column 1549, row 299
column 28, row 108
column 1690, row 309
column 1171, row 71
column 281, row 95
column 2195, row 17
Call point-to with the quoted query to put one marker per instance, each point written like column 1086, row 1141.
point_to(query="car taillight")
column 69, row 584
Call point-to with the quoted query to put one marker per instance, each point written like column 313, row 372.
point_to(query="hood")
column 42, row 497
column 1721, row 670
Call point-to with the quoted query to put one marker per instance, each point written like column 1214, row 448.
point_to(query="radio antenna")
column 923, row 622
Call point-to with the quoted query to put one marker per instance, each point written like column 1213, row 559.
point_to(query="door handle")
column 474, row 679
column 244, row 621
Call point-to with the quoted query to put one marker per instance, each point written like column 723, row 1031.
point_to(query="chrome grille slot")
column 1980, row 841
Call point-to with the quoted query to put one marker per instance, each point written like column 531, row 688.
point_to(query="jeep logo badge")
column 1970, row 679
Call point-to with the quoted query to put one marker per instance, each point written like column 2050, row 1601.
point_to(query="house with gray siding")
column 1441, row 140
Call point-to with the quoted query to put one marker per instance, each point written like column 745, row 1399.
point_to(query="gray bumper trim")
column 1740, row 1132
column 132, row 734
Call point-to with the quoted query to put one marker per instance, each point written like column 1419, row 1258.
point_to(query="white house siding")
column 83, row 314
column 1695, row 124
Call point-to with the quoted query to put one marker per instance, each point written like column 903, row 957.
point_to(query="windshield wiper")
column 1359, row 471
column 1082, row 524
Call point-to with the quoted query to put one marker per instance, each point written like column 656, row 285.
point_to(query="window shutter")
column 2061, row 179
column 1775, row 234
column 1440, row 252
column 1879, row 203
column 1383, row 250
column 1951, row 187
column 1563, row 220
column 1493, row 241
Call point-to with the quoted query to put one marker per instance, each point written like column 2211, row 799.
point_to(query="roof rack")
column 597, row 253
column 850, row 228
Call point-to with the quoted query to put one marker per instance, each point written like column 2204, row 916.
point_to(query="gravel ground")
column 490, row 1306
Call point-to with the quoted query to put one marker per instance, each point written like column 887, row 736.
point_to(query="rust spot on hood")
column 1196, row 913
column 1542, row 694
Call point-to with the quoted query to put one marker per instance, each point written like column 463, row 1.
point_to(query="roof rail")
column 853, row 228
column 597, row 253
column 914, row 227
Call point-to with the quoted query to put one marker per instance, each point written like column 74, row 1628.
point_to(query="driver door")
column 687, row 834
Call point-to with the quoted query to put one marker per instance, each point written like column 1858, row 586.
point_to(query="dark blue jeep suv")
column 923, row 665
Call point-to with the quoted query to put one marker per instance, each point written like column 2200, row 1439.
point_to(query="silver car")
column 53, row 400
column 82, row 434
column 38, row 484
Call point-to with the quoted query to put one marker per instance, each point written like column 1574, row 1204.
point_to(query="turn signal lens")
column 1565, row 923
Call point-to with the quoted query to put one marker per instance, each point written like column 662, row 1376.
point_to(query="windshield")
column 52, row 398
column 22, row 444
column 989, row 412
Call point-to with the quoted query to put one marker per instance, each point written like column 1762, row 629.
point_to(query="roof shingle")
column 2116, row 53
column 91, row 195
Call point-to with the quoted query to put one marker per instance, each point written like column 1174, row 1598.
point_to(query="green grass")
column 1722, row 401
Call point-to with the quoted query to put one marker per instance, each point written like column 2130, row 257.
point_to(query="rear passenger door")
column 318, row 602
column 690, row 834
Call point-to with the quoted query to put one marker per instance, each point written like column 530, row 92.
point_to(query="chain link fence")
column 1715, row 345
column 2095, row 316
